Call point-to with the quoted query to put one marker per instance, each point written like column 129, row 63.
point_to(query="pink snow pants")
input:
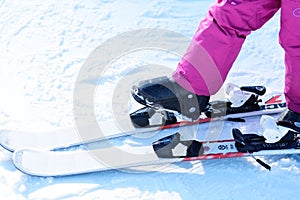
column 220, row 36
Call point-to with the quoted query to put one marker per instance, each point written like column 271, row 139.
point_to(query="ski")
column 166, row 150
column 61, row 138
column 49, row 163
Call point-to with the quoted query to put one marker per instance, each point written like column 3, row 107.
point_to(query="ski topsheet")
column 49, row 163
column 12, row 140
column 53, row 163
column 212, row 141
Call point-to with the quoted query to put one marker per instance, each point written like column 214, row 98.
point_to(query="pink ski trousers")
column 219, row 39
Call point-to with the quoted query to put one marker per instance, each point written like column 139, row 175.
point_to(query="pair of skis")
column 45, row 155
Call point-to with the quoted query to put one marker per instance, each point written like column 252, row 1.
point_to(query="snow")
column 44, row 44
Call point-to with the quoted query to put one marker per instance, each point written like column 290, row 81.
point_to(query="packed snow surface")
column 44, row 44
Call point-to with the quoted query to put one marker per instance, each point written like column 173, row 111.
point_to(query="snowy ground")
column 43, row 46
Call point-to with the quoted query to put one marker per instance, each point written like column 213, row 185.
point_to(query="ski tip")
column 21, row 164
column 17, row 158
column 4, row 140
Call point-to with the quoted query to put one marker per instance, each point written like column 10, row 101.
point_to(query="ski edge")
column 18, row 158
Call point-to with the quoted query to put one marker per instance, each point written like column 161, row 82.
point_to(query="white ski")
column 12, row 140
column 48, row 163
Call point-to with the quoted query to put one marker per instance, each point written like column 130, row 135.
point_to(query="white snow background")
column 43, row 44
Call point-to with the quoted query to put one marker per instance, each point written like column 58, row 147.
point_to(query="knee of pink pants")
column 221, row 35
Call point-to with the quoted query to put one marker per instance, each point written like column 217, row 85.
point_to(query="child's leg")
column 290, row 41
column 218, row 41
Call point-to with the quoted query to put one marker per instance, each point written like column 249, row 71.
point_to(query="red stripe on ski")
column 185, row 123
column 216, row 156
column 216, row 141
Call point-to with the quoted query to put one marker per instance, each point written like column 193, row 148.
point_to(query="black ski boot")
column 164, row 92
column 289, row 115
column 290, row 119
